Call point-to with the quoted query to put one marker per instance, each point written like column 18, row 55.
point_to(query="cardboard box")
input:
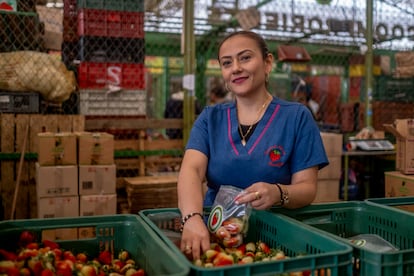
column 95, row 205
column 333, row 143
column 333, row 170
column 95, row 148
column 56, row 148
column 53, row 25
column 57, row 207
column 97, row 179
column 403, row 130
column 398, row 184
column 328, row 191
column 52, row 181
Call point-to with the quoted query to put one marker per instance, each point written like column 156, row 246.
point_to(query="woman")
column 269, row 147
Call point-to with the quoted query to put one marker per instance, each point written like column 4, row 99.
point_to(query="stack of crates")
column 107, row 48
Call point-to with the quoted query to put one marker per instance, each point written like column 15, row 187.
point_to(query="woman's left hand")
column 261, row 195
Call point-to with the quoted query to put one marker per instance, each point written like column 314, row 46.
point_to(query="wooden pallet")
column 147, row 192
column 12, row 132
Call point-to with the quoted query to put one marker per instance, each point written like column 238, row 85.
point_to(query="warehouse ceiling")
column 340, row 22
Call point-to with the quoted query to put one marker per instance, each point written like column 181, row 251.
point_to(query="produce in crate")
column 48, row 258
column 248, row 253
column 245, row 253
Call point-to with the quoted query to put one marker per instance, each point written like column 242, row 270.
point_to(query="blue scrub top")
column 286, row 140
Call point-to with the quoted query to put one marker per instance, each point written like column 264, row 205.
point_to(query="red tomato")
column 26, row 237
column 63, row 269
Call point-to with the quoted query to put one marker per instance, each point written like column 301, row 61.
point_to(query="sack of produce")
column 30, row 71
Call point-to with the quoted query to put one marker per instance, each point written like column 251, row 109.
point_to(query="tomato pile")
column 247, row 253
column 49, row 259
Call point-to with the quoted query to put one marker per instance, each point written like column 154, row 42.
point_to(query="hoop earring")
column 227, row 87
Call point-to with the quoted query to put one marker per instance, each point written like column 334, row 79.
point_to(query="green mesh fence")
column 117, row 59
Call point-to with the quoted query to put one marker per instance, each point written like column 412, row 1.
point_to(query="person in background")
column 174, row 110
column 270, row 148
column 303, row 94
column 218, row 95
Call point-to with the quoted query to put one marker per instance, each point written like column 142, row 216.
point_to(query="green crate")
column 405, row 203
column 388, row 88
column 94, row 233
column 278, row 232
column 346, row 219
column 113, row 5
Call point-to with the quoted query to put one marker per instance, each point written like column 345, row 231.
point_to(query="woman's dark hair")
column 252, row 35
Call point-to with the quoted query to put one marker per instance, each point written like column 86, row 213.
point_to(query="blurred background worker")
column 303, row 93
column 174, row 109
column 219, row 94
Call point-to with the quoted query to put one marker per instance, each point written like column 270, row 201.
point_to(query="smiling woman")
column 257, row 143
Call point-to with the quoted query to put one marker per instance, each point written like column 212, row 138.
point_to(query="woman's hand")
column 261, row 195
column 195, row 238
column 302, row 190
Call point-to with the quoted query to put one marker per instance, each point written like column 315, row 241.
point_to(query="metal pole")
column 189, row 68
column 368, row 65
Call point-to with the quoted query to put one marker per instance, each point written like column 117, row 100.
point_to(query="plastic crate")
column 117, row 5
column 124, row 102
column 70, row 8
column 405, row 203
column 93, row 234
column 111, row 49
column 347, row 219
column 278, row 232
column 20, row 31
column 96, row 75
column 394, row 89
column 19, row 102
column 70, row 30
column 93, row 22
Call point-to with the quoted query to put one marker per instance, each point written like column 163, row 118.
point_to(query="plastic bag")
column 372, row 242
column 228, row 221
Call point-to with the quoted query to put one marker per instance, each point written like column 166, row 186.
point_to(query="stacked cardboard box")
column 404, row 64
column 329, row 177
column 401, row 181
column 97, row 173
column 75, row 174
column 57, row 175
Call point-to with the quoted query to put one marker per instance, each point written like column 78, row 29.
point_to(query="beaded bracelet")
column 187, row 217
column 284, row 196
